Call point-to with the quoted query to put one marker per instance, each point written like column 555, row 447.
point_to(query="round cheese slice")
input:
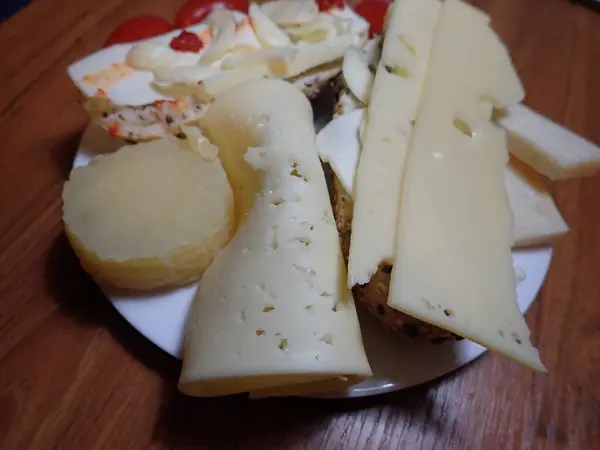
column 148, row 216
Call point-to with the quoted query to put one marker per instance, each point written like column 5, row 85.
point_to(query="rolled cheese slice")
column 148, row 216
column 273, row 310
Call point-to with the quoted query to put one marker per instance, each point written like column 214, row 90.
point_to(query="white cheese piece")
column 273, row 309
column 537, row 220
column 551, row 149
column 453, row 265
column 394, row 100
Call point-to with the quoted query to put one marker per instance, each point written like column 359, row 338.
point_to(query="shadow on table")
column 235, row 421
column 82, row 300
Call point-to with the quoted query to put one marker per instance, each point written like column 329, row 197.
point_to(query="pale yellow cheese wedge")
column 453, row 265
column 150, row 215
column 273, row 309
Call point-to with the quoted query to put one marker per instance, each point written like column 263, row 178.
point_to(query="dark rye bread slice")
column 373, row 295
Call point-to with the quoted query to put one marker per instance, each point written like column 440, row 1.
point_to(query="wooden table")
column 74, row 375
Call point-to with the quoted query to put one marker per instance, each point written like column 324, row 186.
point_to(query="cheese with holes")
column 551, row 149
column 537, row 220
column 393, row 107
column 273, row 310
column 453, row 265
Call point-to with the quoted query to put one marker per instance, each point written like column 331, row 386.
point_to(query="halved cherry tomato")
column 138, row 28
column 186, row 42
column 373, row 12
column 195, row 11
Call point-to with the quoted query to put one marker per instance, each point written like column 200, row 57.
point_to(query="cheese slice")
column 453, row 265
column 317, row 387
column 273, row 309
column 551, row 149
column 394, row 100
column 537, row 220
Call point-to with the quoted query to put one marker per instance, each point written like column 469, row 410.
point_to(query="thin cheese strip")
column 548, row 147
column 551, row 149
column 537, row 220
column 453, row 265
column 273, row 309
column 394, row 100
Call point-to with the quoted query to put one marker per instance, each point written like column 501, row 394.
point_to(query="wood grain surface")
column 74, row 375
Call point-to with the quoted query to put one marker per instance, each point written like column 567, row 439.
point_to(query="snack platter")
column 278, row 261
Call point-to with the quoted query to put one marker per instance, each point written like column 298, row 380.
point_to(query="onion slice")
column 223, row 27
column 314, row 55
column 359, row 78
column 152, row 55
column 275, row 57
column 267, row 31
column 321, row 28
column 184, row 74
column 291, row 12
column 208, row 89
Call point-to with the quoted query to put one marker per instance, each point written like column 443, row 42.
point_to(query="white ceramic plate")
column 396, row 364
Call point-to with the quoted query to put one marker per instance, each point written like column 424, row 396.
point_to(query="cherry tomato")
column 326, row 5
column 195, row 11
column 373, row 12
column 138, row 28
